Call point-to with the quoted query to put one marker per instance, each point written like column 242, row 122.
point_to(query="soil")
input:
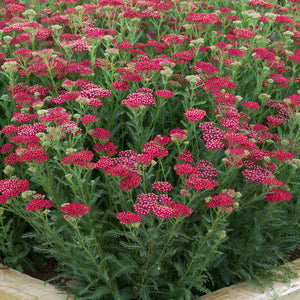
column 46, row 272
column 295, row 254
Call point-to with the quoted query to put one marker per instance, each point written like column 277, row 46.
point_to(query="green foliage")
column 13, row 249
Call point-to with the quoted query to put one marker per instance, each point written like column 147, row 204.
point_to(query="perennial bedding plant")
column 150, row 147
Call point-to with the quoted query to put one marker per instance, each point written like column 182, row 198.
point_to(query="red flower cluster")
column 195, row 114
column 278, row 195
column 244, row 33
column 251, row 105
column 164, row 93
column 206, row 169
column 12, row 188
column 6, row 148
column 213, row 138
column 101, row 134
column 9, row 129
column 136, row 100
column 162, row 186
column 182, row 169
column 283, row 155
column 178, row 134
column 108, row 147
column 257, row 174
column 186, row 156
column 162, row 140
column 123, row 166
column 88, row 119
column 38, row 204
column 155, row 150
column 128, row 217
column 169, row 209
column 222, row 200
column 163, row 212
column 74, row 209
column 201, row 183
column 82, row 158
column 93, row 91
column 120, row 85
column 202, row 18
column 205, row 67
column 146, row 202
column 35, row 153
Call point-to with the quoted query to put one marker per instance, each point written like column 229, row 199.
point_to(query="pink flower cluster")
column 164, row 93
column 278, row 195
column 162, row 186
column 136, row 100
column 169, row 209
column 195, row 114
column 222, row 200
column 38, row 204
column 128, row 217
column 200, row 183
column 185, row 156
column 12, row 188
column 74, row 209
column 82, row 158
column 123, row 166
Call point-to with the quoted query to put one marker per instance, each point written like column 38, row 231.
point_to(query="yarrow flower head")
column 278, row 195
column 108, row 147
column 38, row 204
column 206, row 169
column 74, row 209
column 244, row 33
column 251, row 105
column 283, row 155
column 195, row 114
column 162, row 186
column 82, row 158
column 35, row 154
column 136, row 100
column 164, row 93
column 101, row 134
column 201, row 183
column 128, row 217
column 186, row 156
column 163, row 212
column 155, row 150
column 222, row 200
column 88, row 119
column 178, row 134
column 12, row 188
column 146, row 202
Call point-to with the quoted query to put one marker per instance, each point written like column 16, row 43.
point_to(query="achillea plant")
column 150, row 148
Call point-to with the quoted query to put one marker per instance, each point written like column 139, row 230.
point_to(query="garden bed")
column 149, row 148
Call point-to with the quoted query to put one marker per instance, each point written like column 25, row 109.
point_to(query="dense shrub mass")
column 151, row 148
